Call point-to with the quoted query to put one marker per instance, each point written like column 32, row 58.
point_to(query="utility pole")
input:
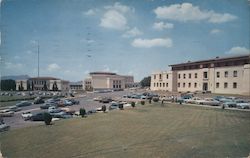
column 38, row 66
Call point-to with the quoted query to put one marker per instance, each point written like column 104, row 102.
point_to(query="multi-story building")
column 227, row 75
column 107, row 81
column 42, row 84
column 76, row 86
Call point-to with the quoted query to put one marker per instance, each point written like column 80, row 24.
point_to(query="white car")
column 126, row 105
column 6, row 113
column 243, row 105
column 208, row 101
column 192, row 100
column 27, row 115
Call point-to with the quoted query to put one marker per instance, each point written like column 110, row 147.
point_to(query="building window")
column 154, row 76
column 234, row 85
column 195, row 75
column 218, row 74
column 205, row 74
column 154, row 84
column 189, row 85
column 217, row 85
column 163, row 84
column 225, row 85
column 160, row 76
column 160, row 84
column 189, row 75
column 119, row 86
column 195, row 85
column 184, row 85
column 167, row 76
column 166, row 84
column 235, row 74
column 184, row 76
column 157, row 84
column 226, row 74
column 179, row 76
column 179, row 85
column 113, row 86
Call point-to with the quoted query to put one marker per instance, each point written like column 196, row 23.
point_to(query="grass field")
column 146, row 131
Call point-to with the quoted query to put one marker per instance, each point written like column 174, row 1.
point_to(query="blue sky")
column 128, row 37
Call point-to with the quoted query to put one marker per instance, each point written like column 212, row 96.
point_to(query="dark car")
column 75, row 102
column 38, row 100
column 47, row 105
column 37, row 117
column 23, row 103
column 106, row 100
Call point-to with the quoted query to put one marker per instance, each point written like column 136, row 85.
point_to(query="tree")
column 133, row 104
column 7, row 85
column 142, row 102
column 47, row 118
column 104, row 108
column 82, row 112
column 145, row 82
column 121, row 106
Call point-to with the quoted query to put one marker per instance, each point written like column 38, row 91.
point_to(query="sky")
column 129, row 37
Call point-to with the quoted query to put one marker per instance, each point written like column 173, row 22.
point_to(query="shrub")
column 82, row 112
column 142, row 102
column 47, row 118
column 150, row 100
column 121, row 106
column 104, row 108
column 133, row 104
column 156, row 99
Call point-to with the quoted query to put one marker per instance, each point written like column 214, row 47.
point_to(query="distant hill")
column 15, row 77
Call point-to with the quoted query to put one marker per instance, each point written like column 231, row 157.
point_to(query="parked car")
column 47, row 105
column 23, row 103
column 53, row 109
column 97, row 98
column 26, row 115
column 243, row 105
column 4, row 127
column 99, row 109
column 218, row 98
column 67, row 102
column 224, row 100
column 74, row 102
column 192, row 100
column 6, row 113
column 14, row 108
column 114, row 106
column 38, row 100
column 208, row 101
column 231, row 104
column 106, row 100
column 37, row 117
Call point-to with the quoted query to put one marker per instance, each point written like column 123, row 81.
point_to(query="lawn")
column 145, row 131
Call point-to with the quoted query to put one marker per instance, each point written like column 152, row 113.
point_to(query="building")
column 42, row 84
column 107, row 81
column 227, row 75
column 76, row 86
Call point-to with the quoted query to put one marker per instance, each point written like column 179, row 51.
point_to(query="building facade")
column 228, row 75
column 107, row 81
column 42, row 84
column 76, row 86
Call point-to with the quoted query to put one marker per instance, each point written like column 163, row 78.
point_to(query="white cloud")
column 53, row 67
column 132, row 33
column 9, row 65
column 90, row 12
column 114, row 20
column 238, row 50
column 161, row 25
column 215, row 31
column 120, row 8
column 156, row 42
column 187, row 12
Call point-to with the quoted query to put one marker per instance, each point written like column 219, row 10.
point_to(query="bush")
column 82, row 112
column 104, row 108
column 121, row 106
column 133, row 104
column 150, row 100
column 47, row 118
column 142, row 102
column 156, row 99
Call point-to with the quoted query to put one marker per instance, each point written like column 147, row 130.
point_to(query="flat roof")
column 102, row 73
column 216, row 59
column 44, row 78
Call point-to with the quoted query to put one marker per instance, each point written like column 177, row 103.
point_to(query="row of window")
column 160, row 84
column 39, row 82
column 189, row 85
column 117, row 86
column 235, row 74
column 189, row 75
column 226, row 85
column 117, row 81
column 160, row 76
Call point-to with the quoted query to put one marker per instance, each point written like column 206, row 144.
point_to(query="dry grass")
column 146, row 131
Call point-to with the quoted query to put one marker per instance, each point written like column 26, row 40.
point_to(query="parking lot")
column 86, row 101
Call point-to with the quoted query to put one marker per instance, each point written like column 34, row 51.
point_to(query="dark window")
column 226, row 74
column 157, row 84
column 235, row 85
column 204, row 74
column 195, row 85
column 235, row 74
column 163, row 84
column 225, row 85
column 179, row 75
column 189, row 75
column 160, row 76
column 166, row 84
column 189, row 84
column 195, row 75
column 218, row 74
column 184, row 84
column 179, row 84
column 160, row 84
column 167, row 76
column 184, row 76
column 217, row 85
